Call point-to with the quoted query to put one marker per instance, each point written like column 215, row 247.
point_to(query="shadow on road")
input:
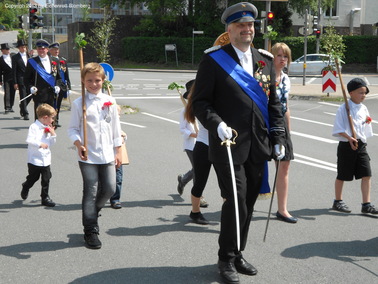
column 24, row 251
column 168, row 275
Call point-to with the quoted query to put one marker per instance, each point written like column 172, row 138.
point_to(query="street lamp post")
column 351, row 19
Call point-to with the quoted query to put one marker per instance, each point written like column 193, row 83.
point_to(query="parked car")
column 2, row 28
column 315, row 64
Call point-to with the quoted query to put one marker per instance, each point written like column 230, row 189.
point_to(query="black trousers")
column 201, row 166
column 33, row 176
column 24, row 103
column 9, row 94
column 248, row 178
column 58, row 103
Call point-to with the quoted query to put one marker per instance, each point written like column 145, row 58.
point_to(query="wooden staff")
column 80, row 44
column 350, row 119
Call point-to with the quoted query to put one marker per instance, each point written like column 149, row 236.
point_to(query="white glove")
column 68, row 92
column 33, row 90
column 224, row 132
column 57, row 90
column 279, row 151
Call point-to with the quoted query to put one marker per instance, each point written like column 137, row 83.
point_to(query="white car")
column 315, row 64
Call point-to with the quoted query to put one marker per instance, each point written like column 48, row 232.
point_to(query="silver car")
column 315, row 64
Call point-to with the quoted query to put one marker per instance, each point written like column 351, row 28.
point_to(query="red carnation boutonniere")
column 62, row 62
column 53, row 67
column 53, row 63
column 260, row 64
column 368, row 120
column 47, row 131
column 107, row 104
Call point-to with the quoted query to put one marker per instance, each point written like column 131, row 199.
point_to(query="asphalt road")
column 151, row 239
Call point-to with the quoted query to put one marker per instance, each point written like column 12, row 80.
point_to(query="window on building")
column 332, row 11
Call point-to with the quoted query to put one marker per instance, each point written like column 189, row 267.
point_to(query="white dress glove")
column 33, row 90
column 68, row 92
column 224, row 132
column 279, row 151
column 57, row 90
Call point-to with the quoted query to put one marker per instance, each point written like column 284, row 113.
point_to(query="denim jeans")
column 119, row 177
column 95, row 198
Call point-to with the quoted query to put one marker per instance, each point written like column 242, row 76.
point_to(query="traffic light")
column 260, row 26
column 20, row 22
column 270, row 17
column 315, row 23
column 318, row 32
column 34, row 19
column 310, row 23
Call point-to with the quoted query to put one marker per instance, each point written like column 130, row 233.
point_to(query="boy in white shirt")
column 103, row 149
column 41, row 137
column 353, row 160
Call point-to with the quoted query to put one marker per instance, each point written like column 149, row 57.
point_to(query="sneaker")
column 198, row 218
column 92, row 240
column 341, row 206
column 203, row 202
column 369, row 209
column 180, row 186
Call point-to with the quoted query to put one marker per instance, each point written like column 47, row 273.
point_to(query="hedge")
column 152, row 49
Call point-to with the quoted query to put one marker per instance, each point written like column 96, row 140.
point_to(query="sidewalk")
column 315, row 90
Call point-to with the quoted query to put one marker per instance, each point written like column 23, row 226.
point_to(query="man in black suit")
column 227, row 96
column 64, row 81
column 19, row 62
column 6, row 78
column 41, row 75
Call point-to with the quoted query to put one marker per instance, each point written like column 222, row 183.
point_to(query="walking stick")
column 350, row 119
column 80, row 44
column 271, row 200
column 228, row 143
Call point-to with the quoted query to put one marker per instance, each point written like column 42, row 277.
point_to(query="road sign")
column 109, row 71
column 197, row 32
column 329, row 81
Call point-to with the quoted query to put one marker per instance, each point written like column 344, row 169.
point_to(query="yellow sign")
column 304, row 65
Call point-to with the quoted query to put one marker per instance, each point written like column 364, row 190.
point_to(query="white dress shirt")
column 103, row 127
column 46, row 63
column 7, row 60
column 359, row 113
column 186, row 129
column 36, row 135
column 24, row 57
column 245, row 59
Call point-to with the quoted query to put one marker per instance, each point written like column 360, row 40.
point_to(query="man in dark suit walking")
column 41, row 75
column 6, row 78
column 235, row 89
column 64, row 82
column 19, row 62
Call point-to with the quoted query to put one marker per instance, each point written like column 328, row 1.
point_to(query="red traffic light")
column 270, row 17
column 33, row 10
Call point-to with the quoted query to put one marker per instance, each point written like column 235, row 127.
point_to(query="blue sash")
column 249, row 84
column 62, row 76
column 49, row 78
column 252, row 88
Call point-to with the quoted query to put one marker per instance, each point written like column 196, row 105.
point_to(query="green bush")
column 152, row 49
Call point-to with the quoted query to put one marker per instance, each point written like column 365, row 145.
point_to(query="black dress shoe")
column 24, row 193
column 292, row 220
column 244, row 267
column 11, row 110
column 228, row 272
column 198, row 218
column 48, row 202
column 26, row 117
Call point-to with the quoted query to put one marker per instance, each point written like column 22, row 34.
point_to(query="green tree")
column 332, row 44
column 9, row 12
column 101, row 39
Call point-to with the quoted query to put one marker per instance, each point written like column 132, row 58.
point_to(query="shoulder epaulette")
column 63, row 58
column 211, row 49
column 265, row 52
